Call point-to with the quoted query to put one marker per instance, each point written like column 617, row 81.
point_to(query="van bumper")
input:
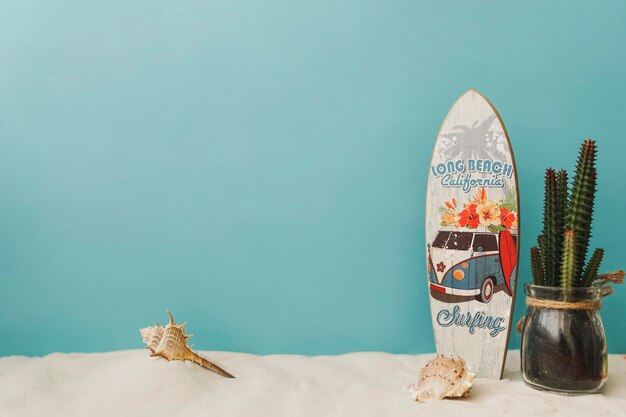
column 453, row 291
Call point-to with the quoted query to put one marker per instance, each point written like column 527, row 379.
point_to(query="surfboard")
column 508, row 257
column 472, row 235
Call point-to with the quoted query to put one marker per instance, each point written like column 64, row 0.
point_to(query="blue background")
column 259, row 168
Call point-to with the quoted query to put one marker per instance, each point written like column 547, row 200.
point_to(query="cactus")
column 560, row 213
column 549, row 235
column 591, row 272
column 536, row 266
column 542, row 270
column 569, row 261
column 580, row 210
column 559, row 258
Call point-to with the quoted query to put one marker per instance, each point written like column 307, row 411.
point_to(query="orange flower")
column 449, row 213
column 488, row 213
column 481, row 196
column 448, row 218
column 451, row 204
column 468, row 217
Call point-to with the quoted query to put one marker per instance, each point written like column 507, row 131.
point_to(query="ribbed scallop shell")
column 170, row 342
column 442, row 377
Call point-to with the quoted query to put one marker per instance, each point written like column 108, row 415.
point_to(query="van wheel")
column 486, row 291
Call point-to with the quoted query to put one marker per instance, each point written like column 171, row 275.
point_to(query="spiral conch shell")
column 443, row 377
column 170, row 342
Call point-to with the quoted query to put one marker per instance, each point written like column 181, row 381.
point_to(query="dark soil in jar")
column 564, row 350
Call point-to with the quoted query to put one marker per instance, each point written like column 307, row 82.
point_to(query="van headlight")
column 458, row 274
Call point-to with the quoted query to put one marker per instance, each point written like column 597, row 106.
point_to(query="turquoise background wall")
column 259, row 168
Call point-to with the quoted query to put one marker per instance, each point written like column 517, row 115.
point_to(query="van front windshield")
column 459, row 240
column 441, row 239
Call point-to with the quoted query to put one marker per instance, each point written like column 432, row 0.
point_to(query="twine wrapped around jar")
column 615, row 277
column 563, row 305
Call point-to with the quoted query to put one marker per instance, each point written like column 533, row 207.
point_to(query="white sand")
column 129, row 383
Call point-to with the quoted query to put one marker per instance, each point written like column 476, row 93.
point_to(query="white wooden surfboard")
column 472, row 223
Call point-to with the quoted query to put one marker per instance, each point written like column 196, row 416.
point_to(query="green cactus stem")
column 569, row 263
column 591, row 272
column 543, row 265
column 536, row 267
column 580, row 209
column 561, row 198
column 549, row 235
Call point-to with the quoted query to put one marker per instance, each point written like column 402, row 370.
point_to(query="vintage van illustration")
column 471, row 263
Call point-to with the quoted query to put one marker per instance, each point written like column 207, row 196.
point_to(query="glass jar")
column 564, row 350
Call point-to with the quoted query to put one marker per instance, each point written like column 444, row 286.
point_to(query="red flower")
column 468, row 217
column 441, row 267
column 506, row 217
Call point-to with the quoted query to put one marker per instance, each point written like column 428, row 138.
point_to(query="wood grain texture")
column 472, row 239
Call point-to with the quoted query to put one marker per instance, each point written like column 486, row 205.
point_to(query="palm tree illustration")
column 476, row 141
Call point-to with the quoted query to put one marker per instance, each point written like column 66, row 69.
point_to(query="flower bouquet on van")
column 481, row 211
column 563, row 341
